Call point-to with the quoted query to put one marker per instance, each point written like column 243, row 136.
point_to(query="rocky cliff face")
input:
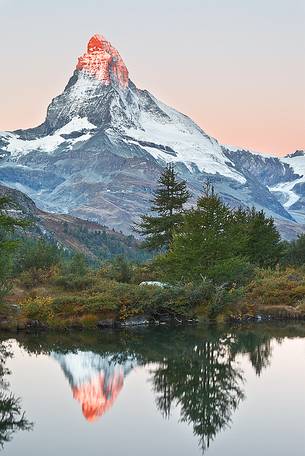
column 103, row 62
column 104, row 143
column 284, row 177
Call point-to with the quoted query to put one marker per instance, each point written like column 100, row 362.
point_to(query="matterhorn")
column 104, row 142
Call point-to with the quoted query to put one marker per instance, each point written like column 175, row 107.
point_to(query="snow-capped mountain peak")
column 104, row 142
column 103, row 62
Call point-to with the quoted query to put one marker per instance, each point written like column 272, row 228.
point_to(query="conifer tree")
column 168, row 203
column 264, row 247
column 8, row 223
column 7, row 226
column 220, row 243
column 203, row 240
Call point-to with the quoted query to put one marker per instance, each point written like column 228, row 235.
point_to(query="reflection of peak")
column 97, row 396
column 95, row 380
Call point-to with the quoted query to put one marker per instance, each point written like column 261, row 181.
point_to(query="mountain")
column 104, row 142
column 284, row 177
column 89, row 238
column 95, row 380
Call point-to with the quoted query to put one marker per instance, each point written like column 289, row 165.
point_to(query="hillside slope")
column 95, row 241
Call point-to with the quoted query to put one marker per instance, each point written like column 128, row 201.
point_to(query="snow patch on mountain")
column 297, row 162
column 18, row 146
column 289, row 197
column 190, row 144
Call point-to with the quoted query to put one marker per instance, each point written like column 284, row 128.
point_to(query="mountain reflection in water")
column 95, row 380
column 195, row 371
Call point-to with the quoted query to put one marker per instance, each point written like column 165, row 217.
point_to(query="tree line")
column 189, row 244
column 210, row 239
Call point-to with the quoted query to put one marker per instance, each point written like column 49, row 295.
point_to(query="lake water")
column 181, row 392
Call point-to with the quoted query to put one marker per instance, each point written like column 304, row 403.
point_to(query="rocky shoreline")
column 144, row 321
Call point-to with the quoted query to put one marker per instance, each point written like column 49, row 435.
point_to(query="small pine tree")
column 295, row 251
column 78, row 265
column 264, row 247
column 203, row 240
column 122, row 269
column 8, row 225
column 168, row 203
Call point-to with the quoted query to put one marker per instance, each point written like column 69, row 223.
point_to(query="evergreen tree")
column 295, row 251
column 8, row 224
column 122, row 269
column 168, row 202
column 220, row 243
column 78, row 265
column 263, row 247
column 204, row 239
column 35, row 254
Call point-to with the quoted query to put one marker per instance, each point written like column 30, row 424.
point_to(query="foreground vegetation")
column 214, row 263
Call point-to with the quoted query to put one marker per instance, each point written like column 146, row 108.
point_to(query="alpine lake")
column 181, row 391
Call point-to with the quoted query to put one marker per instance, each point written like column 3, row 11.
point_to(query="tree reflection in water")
column 196, row 370
column 205, row 383
column 12, row 418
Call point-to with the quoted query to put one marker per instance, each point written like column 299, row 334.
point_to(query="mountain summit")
column 103, row 62
column 104, row 142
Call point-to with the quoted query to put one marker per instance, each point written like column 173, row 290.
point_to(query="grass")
column 278, row 293
column 62, row 301
column 58, row 304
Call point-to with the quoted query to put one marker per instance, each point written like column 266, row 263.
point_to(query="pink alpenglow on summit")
column 103, row 62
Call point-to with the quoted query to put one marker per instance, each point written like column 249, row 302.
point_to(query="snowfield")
column 191, row 145
column 17, row 146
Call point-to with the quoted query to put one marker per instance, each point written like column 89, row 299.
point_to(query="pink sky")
column 236, row 67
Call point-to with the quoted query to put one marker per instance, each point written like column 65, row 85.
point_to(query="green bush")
column 119, row 269
column 33, row 277
column 295, row 252
column 276, row 287
column 121, row 300
column 235, row 271
column 5, row 275
column 221, row 300
column 38, row 308
column 77, row 265
column 33, row 254
column 73, row 282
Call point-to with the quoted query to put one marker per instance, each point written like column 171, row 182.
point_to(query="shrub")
column 222, row 299
column 295, row 252
column 77, row 266
column 34, row 276
column 119, row 270
column 38, row 308
column 5, row 275
column 34, row 255
column 276, row 287
column 74, row 282
column 231, row 271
